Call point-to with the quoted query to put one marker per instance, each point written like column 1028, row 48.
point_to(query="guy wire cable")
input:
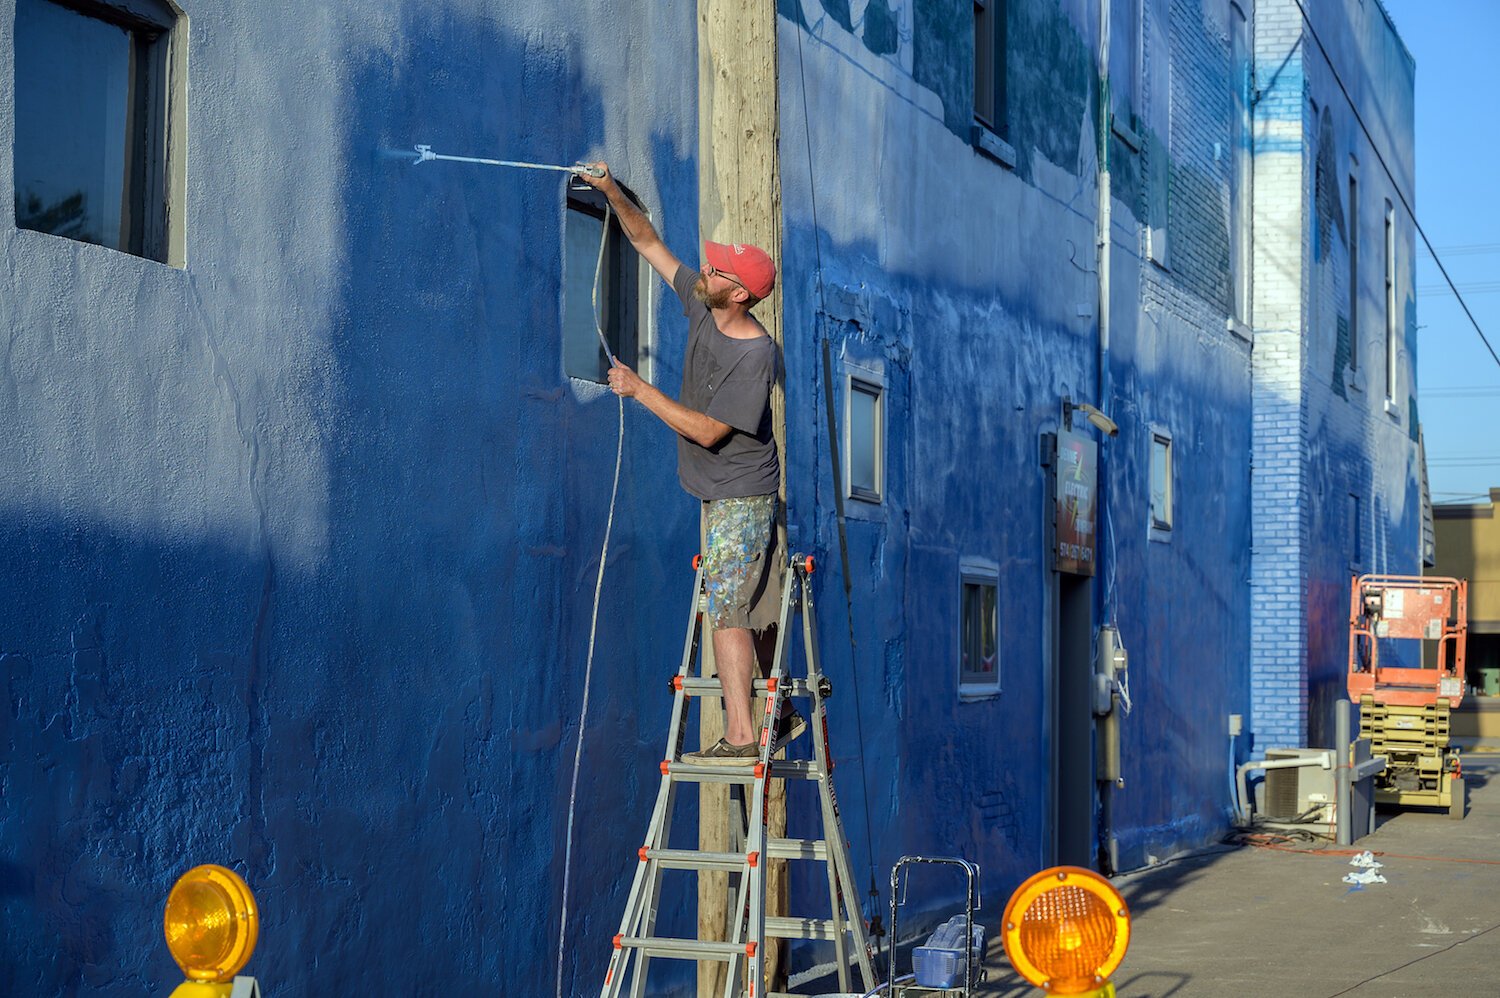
column 838, row 491
column 588, row 670
column 1375, row 148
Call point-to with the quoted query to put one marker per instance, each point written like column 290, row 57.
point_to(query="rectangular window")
column 614, row 304
column 1390, row 302
column 1157, row 100
column 92, row 116
column 864, row 443
column 979, row 634
column 1161, row 482
column 1125, row 61
column 989, row 64
column 1240, row 178
column 1353, row 273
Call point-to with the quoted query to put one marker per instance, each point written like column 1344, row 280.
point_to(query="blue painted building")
column 302, row 509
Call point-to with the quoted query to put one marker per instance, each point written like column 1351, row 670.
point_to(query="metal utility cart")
column 1404, row 712
column 973, row 975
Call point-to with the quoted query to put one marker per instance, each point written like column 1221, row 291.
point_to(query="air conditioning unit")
column 1303, row 793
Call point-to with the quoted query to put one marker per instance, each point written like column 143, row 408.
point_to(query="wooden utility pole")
column 739, row 200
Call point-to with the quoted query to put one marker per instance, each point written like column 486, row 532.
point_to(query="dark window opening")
column 616, row 308
column 979, row 641
column 91, row 121
column 989, row 65
column 1353, row 273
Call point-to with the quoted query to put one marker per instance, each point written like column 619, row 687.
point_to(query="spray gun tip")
column 424, row 153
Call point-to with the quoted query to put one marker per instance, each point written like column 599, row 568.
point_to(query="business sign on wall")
column 1075, row 494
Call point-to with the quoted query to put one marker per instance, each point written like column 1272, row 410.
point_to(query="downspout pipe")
column 1106, row 196
column 1101, row 394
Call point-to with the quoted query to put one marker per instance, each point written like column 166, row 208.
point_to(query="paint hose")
column 424, row 154
column 588, row 669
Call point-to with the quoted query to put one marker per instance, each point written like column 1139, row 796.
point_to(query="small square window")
column 1161, row 483
column 864, row 442
column 92, row 118
column 979, row 633
column 619, row 291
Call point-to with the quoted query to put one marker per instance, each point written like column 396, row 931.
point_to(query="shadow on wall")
column 378, row 743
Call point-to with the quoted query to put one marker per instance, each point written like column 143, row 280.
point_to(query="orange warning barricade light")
column 211, row 924
column 1066, row 930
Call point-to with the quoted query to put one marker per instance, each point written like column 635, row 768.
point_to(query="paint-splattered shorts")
column 741, row 563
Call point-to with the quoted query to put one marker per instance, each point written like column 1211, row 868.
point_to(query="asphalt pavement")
column 1277, row 920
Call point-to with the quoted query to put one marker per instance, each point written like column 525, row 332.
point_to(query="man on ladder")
column 726, row 456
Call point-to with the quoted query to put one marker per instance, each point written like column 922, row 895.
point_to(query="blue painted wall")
column 968, row 285
column 301, row 540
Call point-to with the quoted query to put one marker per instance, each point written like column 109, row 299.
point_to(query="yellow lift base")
column 1422, row 769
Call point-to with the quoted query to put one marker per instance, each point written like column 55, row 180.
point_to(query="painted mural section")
column 300, row 540
column 1338, row 470
column 958, row 265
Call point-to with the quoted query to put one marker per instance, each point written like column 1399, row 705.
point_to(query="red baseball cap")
column 749, row 263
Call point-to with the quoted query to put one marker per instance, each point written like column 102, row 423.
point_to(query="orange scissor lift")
column 1404, row 712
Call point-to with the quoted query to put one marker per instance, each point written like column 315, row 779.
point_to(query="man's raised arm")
column 636, row 226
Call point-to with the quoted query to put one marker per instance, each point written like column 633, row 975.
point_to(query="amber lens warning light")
column 211, row 923
column 1066, row 930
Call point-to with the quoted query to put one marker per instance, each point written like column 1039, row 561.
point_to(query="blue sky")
column 1458, row 145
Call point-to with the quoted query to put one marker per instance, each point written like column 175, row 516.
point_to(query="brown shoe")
column 721, row 753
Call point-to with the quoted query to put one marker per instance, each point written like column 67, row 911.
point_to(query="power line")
column 1461, row 391
column 1479, row 288
column 1354, row 110
column 1472, row 249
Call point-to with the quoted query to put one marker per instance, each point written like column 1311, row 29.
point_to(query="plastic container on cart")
column 940, row 964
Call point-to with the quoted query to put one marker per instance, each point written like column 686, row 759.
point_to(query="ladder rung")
column 733, row 862
column 787, row 769
column 699, row 687
column 816, row 849
column 693, row 859
column 682, row 949
column 781, row 927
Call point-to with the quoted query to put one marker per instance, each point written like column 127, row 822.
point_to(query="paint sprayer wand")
column 425, row 154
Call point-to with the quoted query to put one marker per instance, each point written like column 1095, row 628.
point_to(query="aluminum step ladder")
column 637, row 944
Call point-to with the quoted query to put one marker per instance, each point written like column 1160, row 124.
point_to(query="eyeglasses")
column 716, row 272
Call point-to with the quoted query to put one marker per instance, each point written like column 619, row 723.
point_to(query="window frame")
column 866, row 383
column 627, row 290
column 975, row 571
column 1390, row 304
column 990, row 125
column 1161, row 530
column 155, row 172
column 1353, row 270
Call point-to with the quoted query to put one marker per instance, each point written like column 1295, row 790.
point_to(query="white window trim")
column 870, row 383
column 984, row 572
column 1159, row 531
column 1390, row 307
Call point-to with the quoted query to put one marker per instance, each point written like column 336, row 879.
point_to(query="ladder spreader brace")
column 744, row 950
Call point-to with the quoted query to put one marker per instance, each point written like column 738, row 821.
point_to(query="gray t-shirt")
column 729, row 379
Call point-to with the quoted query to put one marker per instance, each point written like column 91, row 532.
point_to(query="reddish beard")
column 720, row 300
